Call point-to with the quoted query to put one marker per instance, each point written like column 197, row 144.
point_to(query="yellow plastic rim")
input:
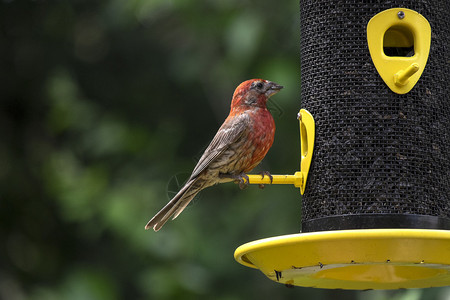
column 353, row 259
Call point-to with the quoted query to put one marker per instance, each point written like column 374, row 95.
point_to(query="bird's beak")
column 273, row 89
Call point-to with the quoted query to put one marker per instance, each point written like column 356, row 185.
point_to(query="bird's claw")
column 266, row 173
column 243, row 181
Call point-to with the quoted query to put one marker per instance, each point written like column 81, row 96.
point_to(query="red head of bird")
column 254, row 92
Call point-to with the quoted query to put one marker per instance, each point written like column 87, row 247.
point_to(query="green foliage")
column 106, row 105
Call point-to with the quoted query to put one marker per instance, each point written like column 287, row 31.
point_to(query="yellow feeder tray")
column 353, row 259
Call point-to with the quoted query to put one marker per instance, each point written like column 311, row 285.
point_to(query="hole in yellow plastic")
column 398, row 41
column 304, row 145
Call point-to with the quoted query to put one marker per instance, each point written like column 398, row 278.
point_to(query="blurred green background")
column 105, row 108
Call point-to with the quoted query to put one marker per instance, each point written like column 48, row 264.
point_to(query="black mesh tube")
column 381, row 160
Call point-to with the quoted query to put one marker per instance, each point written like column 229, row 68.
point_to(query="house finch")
column 240, row 144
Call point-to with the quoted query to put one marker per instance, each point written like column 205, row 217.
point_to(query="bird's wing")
column 230, row 131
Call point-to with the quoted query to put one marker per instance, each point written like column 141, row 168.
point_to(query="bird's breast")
column 260, row 137
column 249, row 149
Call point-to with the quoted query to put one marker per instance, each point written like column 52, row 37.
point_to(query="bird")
column 239, row 145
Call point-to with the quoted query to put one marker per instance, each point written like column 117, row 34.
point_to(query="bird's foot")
column 266, row 173
column 242, row 179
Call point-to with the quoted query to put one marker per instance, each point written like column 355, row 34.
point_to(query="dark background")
column 105, row 108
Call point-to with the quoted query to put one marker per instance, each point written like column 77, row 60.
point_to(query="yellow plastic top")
column 353, row 259
column 397, row 28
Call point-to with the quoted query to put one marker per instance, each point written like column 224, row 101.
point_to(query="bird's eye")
column 259, row 85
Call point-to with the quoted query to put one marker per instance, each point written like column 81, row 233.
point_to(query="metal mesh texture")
column 376, row 152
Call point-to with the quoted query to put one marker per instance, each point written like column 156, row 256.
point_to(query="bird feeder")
column 375, row 150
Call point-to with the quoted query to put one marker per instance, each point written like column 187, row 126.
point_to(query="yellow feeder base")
column 353, row 259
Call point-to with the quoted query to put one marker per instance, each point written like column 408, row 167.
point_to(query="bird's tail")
column 176, row 205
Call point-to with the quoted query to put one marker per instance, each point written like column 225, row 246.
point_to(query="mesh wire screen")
column 376, row 152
